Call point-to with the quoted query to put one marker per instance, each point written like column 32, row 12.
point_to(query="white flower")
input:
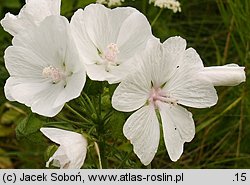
column 168, row 78
column 107, row 39
column 44, row 66
column 72, row 150
column 227, row 75
column 170, row 4
column 32, row 13
column 110, row 3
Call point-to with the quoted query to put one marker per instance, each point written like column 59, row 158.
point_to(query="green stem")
column 84, row 104
column 90, row 103
column 76, row 113
column 156, row 18
column 101, row 131
column 89, row 111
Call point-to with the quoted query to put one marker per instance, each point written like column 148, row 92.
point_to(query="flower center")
column 110, row 56
column 157, row 95
column 53, row 73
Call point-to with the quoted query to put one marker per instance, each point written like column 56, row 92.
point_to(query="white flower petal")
column 96, row 28
column 143, row 131
column 73, row 147
column 85, row 46
column 44, row 101
column 59, row 159
column 103, row 24
column 98, row 72
column 227, row 75
column 32, row 13
column 23, row 62
column 178, row 128
column 76, row 82
column 8, row 89
column 23, row 90
column 96, row 21
column 118, row 74
column 175, row 45
column 14, row 25
column 49, row 44
column 132, row 93
column 187, row 86
column 133, row 35
column 158, row 64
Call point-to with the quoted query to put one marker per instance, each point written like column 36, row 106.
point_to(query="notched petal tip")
column 9, row 23
column 175, row 44
column 142, row 129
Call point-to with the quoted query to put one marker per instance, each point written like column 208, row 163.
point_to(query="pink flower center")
column 158, row 95
column 110, row 56
column 111, row 52
column 53, row 73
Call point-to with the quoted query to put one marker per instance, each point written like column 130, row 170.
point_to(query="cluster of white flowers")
column 170, row 4
column 111, row 3
column 49, row 59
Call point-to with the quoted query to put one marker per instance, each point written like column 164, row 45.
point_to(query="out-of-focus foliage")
column 217, row 29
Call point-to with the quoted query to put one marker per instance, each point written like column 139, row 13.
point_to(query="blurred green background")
column 220, row 32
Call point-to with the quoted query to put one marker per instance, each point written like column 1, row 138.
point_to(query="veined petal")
column 73, row 147
column 87, row 49
column 49, row 42
column 32, row 13
column 175, row 45
column 44, row 101
column 227, row 75
column 133, row 35
column 178, row 128
column 46, row 47
column 23, row 90
column 97, row 72
column 22, row 62
column 77, row 154
column 186, row 85
column 103, row 24
column 61, row 136
column 55, row 7
column 96, row 21
column 157, row 63
column 174, row 49
column 143, row 131
column 76, row 82
column 133, row 92
column 14, row 25
column 106, row 39
column 118, row 74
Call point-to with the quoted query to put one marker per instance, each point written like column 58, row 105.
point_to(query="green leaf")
column 116, row 123
column 29, row 128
